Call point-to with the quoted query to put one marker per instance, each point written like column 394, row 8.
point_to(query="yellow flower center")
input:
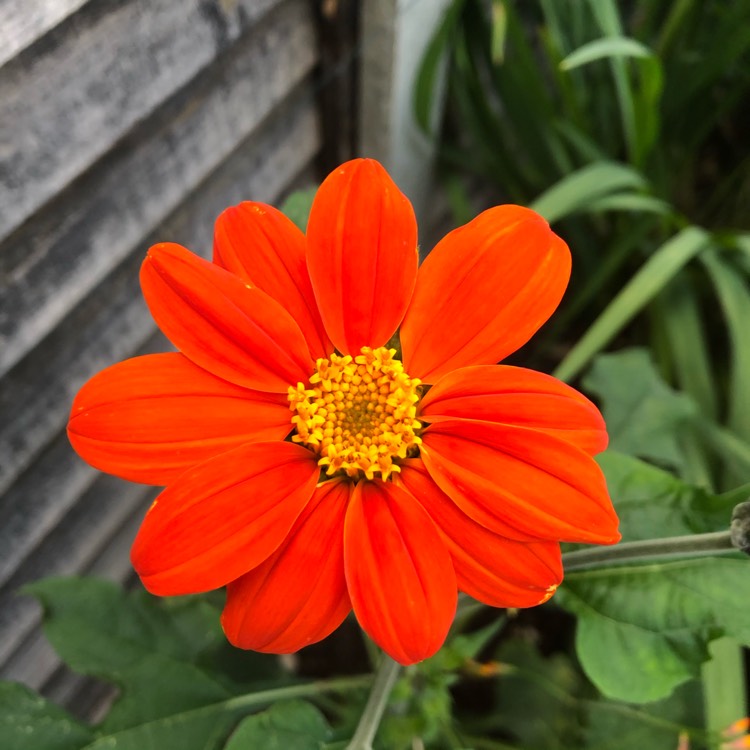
column 358, row 413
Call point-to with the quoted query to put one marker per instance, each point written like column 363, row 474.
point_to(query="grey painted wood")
column 51, row 497
column 99, row 73
column 171, row 153
column 23, row 22
column 122, row 123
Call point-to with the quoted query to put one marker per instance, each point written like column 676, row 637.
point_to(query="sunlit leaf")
column 592, row 182
column 611, row 46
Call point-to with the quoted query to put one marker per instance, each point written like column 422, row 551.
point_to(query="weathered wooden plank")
column 65, row 101
column 110, row 325
column 50, row 264
column 23, row 22
column 113, row 321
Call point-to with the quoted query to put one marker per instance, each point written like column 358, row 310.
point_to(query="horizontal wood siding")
column 122, row 123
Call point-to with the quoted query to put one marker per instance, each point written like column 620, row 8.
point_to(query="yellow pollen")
column 358, row 413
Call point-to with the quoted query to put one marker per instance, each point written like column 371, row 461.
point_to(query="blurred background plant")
column 625, row 125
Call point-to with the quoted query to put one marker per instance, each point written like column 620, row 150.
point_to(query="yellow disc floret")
column 358, row 413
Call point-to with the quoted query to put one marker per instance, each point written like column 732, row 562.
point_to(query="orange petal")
column 494, row 570
column 298, row 595
column 223, row 518
column 517, row 396
column 399, row 572
column 520, row 483
column 483, row 292
column 266, row 249
column 149, row 418
column 230, row 329
column 362, row 254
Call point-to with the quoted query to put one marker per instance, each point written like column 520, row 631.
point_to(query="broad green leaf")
column 575, row 191
column 203, row 728
column 148, row 648
column 618, row 726
column 652, row 502
column 652, row 277
column 644, row 415
column 536, row 698
column 610, row 46
column 29, row 722
column 297, row 206
column 293, row 725
column 642, row 630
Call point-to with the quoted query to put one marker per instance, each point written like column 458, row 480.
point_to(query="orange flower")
column 311, row 471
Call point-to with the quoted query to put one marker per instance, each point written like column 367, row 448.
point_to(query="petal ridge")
column 235, row 331
column 223, row 517
column 150, row 418
column 262, row 246
column 398, row 571
column 361, row 255
column 483, row 291
column 298, row 595
column 516, row 396
column 521, row 483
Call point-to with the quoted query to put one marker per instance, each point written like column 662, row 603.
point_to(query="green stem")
column 307, row 689
column 385, row 678
column 691, row 545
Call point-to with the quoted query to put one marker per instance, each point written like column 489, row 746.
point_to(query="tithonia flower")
column 315, row 464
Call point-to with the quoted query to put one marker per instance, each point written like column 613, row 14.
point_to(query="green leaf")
column 734, row 297
column 28, row 722
column 150, row 648
column 628, row 202
column 293, row 725
column 657, row 726
column 575, row 191
column 685, row 331
column 643, row 630
column 610, row 46
column 297, row 206
column 651, row 502
column 653, row 276
column 644, row 416
column 536, row 701
column 203, row 728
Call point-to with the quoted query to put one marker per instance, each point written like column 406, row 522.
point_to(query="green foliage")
column 168, row 657
column 644, row 416
column 616, row 122
column 297, row 206
column 644, row 629
column 617, row 726
column 28, row 722
column 292, row 725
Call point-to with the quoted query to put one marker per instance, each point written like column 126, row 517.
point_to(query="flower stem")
column 303, row 690
column 385, row 678
column 691, row 545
